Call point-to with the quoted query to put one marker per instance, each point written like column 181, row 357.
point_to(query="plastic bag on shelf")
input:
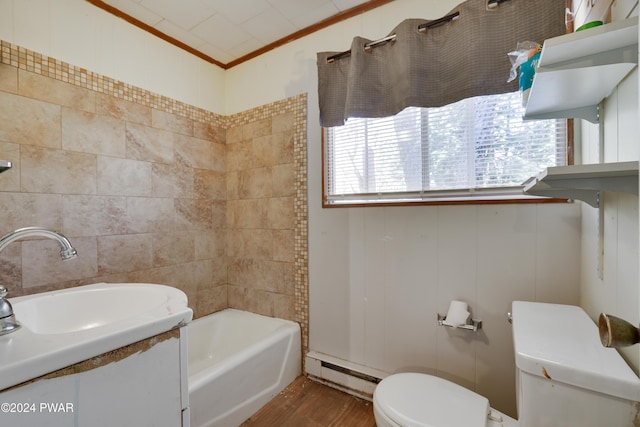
column 523, row 65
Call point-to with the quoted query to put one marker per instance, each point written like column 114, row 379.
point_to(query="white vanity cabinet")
column 142, row 384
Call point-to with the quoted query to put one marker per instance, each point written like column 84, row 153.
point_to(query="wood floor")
column 306, row 403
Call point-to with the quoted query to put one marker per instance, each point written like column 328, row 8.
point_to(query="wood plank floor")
column 306, row 403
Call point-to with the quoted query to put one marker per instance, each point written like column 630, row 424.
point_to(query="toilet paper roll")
column 457, row 314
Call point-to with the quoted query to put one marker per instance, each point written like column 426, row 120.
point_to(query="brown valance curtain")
column 460, row 59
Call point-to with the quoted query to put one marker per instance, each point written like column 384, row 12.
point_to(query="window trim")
column 452, row 199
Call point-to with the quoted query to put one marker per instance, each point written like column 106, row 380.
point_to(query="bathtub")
column 238, row 361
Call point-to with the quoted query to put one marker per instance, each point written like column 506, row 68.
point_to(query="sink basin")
column 87, row 307
column 61, row 328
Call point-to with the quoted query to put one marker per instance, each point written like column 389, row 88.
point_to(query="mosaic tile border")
column 25, row 59
column 298, row 106
column 43, row 65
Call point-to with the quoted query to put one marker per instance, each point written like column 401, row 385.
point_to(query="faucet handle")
column 8, row 321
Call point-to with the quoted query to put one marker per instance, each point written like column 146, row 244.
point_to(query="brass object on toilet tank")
column 616, row 332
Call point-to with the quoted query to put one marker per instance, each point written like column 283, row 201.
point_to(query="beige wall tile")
column 193, row 214
column 90, row 133
column 123, row 110
column 8, row 78
column 280, row 214
column 218, row 212
column 262, row 153
column 117, row 254
column 235, row 243
column 283, row 245
column 218, row 157
column 11, row 268
column 283, row 180
column 85, row 215
column 172, row 180
column 289, row 285
column 254, row 183
column 257, row 244
column 149, row 144
column 219, row 271
column 239, row 156
column 26, row 210
column 209, row 184
column 146, row 195
column 256, row 129
column 273, row 149
column 29, row 121
column 232, row 213
column 173, row 248
column 233, row 135
column 210, row 244
column 54, row 91
column 233, row 185
column 253, row 300
column 210, row 299
column 210, row 132
column 284, row 306
column 282, row 147
column 194, row 152
column 45, row 170
column 122, row 177
column 251, row 213
column 149, row 214
column 283, row 122
column 45, row 254
column 171, row 122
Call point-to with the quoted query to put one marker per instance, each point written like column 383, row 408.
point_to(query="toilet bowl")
column 564, row 378
column 420, row 400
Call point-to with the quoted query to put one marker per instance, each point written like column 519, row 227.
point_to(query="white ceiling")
column 227, row 30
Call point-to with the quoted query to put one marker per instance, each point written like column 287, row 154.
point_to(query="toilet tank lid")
column 561, row 343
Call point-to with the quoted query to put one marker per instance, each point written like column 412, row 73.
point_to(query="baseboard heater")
column 350, row 372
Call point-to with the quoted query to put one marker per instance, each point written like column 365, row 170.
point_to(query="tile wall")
column 139, row 184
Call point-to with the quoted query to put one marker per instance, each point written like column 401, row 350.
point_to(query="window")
column 475, row 149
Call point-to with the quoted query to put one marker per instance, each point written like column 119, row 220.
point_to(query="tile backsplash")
column 151, row 190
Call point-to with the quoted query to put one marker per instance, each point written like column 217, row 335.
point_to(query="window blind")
column 477, row 147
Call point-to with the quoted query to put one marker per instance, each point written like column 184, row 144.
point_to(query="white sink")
column 88, row 307
column 61, row 328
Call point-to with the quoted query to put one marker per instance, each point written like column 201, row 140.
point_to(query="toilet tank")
column 565, row 376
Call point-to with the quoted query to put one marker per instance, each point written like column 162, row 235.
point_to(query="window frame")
column 451, row 200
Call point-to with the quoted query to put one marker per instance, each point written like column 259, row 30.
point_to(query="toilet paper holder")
column 474, row 326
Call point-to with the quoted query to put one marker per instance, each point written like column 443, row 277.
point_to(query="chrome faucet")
column 8, row 322
column 66, row 250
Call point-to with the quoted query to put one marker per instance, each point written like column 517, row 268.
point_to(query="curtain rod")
column 493, row 3
column 421, row 28
column 392, row 38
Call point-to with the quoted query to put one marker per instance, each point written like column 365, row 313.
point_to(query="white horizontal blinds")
column 477, row 143
column 376, row 155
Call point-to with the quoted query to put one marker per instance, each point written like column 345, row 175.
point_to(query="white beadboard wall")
column 616, row 290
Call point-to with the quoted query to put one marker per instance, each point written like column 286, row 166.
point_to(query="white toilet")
column 564, row 378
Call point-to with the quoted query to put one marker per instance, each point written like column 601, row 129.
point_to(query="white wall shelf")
column 585, row 182
column 577, row 71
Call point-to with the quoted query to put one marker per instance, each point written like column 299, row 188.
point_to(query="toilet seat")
column 420, row 400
